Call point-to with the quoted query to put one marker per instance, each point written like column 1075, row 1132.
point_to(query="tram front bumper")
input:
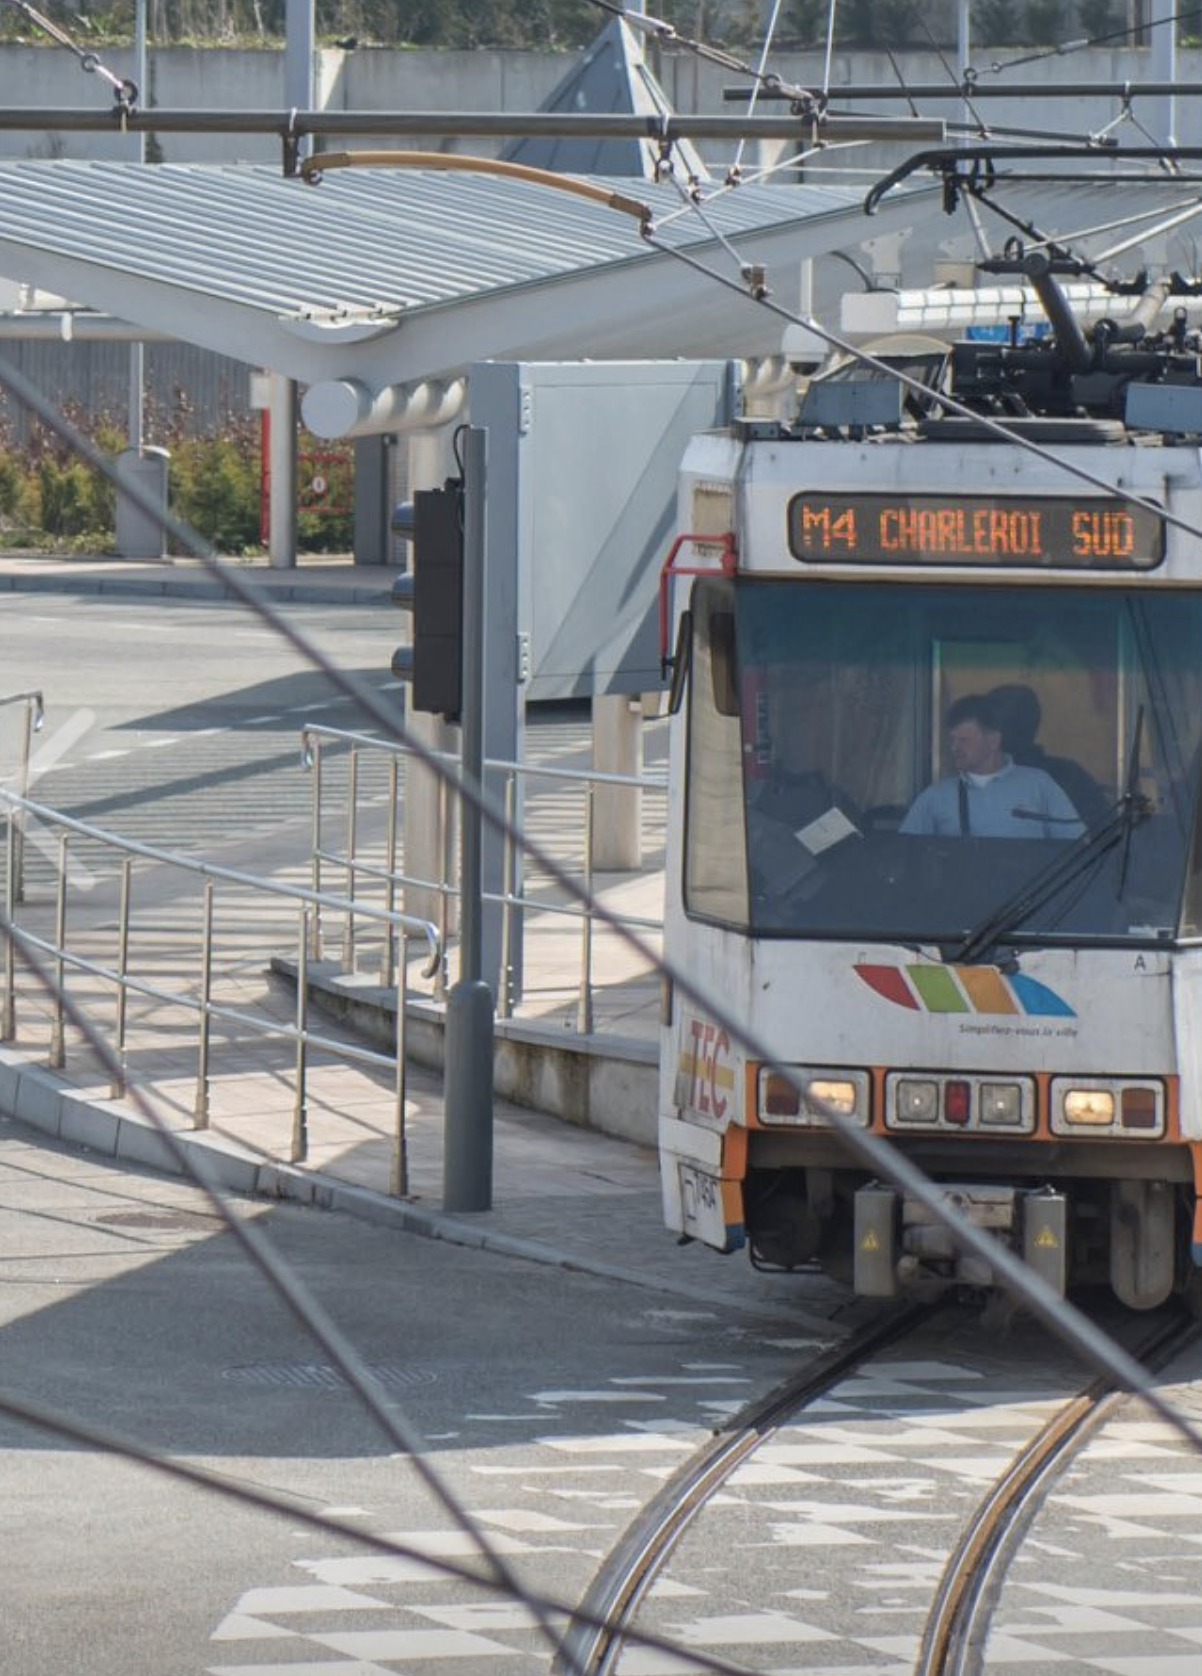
column 900, row 1245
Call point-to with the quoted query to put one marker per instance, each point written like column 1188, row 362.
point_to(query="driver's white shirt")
column 1016, row 802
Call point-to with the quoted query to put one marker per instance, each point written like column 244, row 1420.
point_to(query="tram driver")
column 990, row 795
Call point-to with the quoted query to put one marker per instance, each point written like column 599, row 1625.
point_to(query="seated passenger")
column 990, row 795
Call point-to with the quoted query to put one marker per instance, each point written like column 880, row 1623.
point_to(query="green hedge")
column 51, row 500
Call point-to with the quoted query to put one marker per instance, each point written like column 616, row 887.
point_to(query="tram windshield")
column 962, row 765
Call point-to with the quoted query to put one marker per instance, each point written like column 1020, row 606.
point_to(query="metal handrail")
column 30, row 695
column 228, row 1015
column 400, row 927
column 511, row 899
column 35, row 716
column 341, row 736
column 232, row 875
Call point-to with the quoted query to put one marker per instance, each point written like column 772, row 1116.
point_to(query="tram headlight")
column 1114, row 1105
column 1089, row 1106
column 808, row 1098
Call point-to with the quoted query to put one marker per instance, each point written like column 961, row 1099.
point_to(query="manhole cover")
column 314, row 1376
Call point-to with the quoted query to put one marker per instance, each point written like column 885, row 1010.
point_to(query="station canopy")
column 390, row 277
column 393, row 275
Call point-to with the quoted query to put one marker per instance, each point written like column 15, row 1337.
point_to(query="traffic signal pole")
column 468, row 1081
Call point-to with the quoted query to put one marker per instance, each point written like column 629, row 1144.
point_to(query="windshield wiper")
column 1114, row 827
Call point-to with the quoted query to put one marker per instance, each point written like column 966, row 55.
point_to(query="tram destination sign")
column 1013, row 531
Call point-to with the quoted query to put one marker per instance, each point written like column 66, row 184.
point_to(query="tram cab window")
column 840, row 691
column 715, row 878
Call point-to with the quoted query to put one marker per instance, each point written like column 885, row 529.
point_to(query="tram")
column 935, row 841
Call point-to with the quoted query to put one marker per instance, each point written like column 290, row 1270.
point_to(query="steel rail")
column 952, row 1626
column 635, row 1563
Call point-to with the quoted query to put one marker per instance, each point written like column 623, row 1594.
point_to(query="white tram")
column 1017, row 1005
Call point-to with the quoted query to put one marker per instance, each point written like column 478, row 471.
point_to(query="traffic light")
column 432, row 589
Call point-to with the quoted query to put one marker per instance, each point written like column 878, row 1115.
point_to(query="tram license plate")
column 701, row 1206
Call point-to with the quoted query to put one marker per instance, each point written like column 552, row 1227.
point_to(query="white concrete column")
column 1163, row 68
column 299, row 57
column 617, row 810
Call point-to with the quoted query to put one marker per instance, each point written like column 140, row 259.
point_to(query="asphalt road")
column 552, row 1404
column 175, row 721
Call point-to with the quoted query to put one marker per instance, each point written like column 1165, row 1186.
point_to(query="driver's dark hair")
column 975, row 707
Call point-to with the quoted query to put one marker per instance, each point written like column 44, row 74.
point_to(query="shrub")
column 50, row 498
column 214, row 486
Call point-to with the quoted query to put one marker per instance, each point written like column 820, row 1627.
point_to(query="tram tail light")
column 1138, row 1109
column 811, row 1099
column 957, row 1103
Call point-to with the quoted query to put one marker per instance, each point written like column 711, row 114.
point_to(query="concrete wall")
column 391, row 79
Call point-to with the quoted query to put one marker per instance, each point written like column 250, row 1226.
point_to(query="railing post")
column 58, row 1029
column 117, row 1086
column 398, row 1178
column 315, row 920
column 33, row 706
column 200, row 1114
column 584, row 1009
column 508, row 907
column 388, row 965
column 8, row 1018
column 299, row 1149
column 444, row 886
column 352, row 801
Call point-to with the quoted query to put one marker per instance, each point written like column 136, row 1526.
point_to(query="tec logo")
column 705, row 1078
column 925, row 988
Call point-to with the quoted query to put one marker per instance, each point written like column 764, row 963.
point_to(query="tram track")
column 957, row 1626
column 636, row 1562
column 957, row 1621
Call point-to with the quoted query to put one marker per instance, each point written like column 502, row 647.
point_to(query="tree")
column 997, row 23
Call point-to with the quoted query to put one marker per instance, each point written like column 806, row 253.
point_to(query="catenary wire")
column 759, row 74
column 828, row 54
column 876, row 1153
column 1066, row 47
column 833, row 340
column 124, row 92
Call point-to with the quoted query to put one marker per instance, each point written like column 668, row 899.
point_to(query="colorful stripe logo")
column 964, row 989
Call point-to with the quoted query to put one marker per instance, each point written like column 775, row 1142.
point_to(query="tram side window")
column 715, row 869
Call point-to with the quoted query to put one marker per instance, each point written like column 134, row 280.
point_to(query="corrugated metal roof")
column 362, row 240
column 388, row 276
